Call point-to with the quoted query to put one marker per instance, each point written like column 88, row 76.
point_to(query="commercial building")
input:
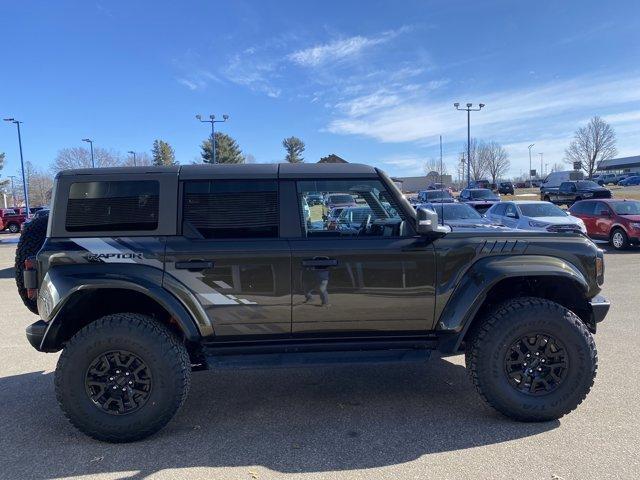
column 621, row 165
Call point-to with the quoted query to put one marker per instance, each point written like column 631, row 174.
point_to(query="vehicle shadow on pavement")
column 287, row 420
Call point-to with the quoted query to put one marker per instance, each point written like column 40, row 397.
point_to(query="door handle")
column 194, row 265
column 319, row 262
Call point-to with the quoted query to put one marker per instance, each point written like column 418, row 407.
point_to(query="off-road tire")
column 491, row 339
column 621, row 244
column 31, row 241
column 163, row 352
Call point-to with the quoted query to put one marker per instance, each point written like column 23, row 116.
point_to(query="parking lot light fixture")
column 133, row 154
column 212, row 120
column 25, row 185
column 469, row 108
column 90, row 142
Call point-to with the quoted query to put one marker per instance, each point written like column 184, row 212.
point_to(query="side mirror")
column 427, row 223
column 605, row 213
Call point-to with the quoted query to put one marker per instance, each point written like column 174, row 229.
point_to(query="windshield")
column 541, row 210
column 626, row 208
column 341, row 199
column 455, row 211
column 587, row 184
column 435, row 194
column 483, row 194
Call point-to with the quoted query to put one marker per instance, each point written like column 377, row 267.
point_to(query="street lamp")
column 530, row 147
column 25, row 187
column 134, row 157
column 212, row 120
column 469, row 109
column 90, row 142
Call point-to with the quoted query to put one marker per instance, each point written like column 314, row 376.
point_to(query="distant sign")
column 577, row 165
column 532, row 172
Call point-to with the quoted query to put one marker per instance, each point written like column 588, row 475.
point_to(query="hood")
column 556, row 220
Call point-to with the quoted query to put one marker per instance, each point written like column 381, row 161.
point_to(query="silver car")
column 535, row 215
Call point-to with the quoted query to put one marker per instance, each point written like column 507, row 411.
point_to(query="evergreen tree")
column 227, row 150
column 294, row 147
column 162, row 153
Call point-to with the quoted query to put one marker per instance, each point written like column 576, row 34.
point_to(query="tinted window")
column 627, row 208
column 231, row 208
column 374, row 211
column 587, row 184
column 499, row 209
column 112, row 206
column 483, row 194
column 436, row 194
column 582, row 208
column 599, row 208
column 511, row 211
column 455, row 211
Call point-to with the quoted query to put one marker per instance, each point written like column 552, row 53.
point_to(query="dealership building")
column 622, row 165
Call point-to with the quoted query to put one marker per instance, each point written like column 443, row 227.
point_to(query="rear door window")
column 223, row 209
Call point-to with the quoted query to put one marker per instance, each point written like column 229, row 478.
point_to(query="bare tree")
column 478, row 163
column 557, row 167
column 143, row 159
column 433, row 165
column 79, row 157
column 591, row 145
column 40, row 185
column 495, row 158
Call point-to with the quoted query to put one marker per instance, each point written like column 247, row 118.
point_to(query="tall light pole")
column 90, row 142
column 530, row 147
column 540, row 153
column 469, row 109
column 212, row 120
column 25, row 187
column 134, row 157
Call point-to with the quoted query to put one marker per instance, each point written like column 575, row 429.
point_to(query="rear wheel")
column 532, row 359
column 14, row 228
column 546, row 198
column 619, row 239
column 122, row 377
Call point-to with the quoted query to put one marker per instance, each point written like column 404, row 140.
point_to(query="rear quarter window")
column 113, row 206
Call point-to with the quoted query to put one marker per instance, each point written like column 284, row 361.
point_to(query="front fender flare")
column 472, row 290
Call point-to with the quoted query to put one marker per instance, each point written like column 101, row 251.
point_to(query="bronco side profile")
column 144, row 274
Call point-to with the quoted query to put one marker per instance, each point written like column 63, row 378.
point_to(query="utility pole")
column 24, row 179
column 540, row 153
column 212, row 120
column 134, row 157
column 469, row 109
column 440, row 158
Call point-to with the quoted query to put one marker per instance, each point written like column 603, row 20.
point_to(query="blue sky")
column 372, row 81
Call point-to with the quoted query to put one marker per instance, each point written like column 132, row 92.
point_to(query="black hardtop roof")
column 239, row 171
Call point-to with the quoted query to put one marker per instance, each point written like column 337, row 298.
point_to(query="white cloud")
column 340, row 49
column 252, row 73
column 546, row 115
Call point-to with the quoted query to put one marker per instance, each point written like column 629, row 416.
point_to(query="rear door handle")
column 319, row 262
column 194, row 265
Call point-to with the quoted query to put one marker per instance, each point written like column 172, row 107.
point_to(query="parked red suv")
column 11, row 220
column 608, row 219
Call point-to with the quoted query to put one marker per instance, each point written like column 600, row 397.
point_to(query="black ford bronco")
column 142, row 275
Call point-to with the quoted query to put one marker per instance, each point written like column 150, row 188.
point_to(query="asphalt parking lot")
column 422, row 421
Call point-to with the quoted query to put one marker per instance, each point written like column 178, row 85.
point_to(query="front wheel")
column 122, row 377
column 532, row 359
column 14, row 228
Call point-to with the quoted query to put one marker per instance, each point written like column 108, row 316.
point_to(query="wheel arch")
column 89, row 302
column 504, row 278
